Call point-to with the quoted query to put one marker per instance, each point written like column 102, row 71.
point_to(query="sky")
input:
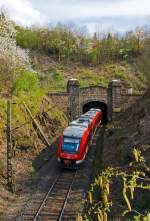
column 117, row 15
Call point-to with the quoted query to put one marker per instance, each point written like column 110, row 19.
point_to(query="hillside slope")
column 30, row 152
column 54, row 75
column 130, row 130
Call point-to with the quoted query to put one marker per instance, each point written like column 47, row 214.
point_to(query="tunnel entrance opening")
column 97, row 104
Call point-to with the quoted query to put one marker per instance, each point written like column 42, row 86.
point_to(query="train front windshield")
column 70, row 145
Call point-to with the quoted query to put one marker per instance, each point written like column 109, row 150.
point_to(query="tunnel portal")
column 97, row 104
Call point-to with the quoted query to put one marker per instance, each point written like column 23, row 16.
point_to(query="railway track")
column 53, row 205
column 63, row 198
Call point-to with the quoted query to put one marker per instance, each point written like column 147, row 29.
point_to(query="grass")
column 53, row 80
column 100, row 76
column 26, row 81
column 21, row 127
column 54, row 75
column 40, row 104
column 32, row 99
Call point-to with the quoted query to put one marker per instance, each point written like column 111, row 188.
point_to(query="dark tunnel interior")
column 97, row 104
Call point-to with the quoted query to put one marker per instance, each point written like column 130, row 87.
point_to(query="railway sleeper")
column 28, row 217
column 52, row 208
column 58, row 193
column 49, row 200
column 49, row 217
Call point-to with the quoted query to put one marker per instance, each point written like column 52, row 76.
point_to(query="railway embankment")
column 30, row 153
column 126, row 133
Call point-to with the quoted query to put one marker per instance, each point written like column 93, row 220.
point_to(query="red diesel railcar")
column 74, row 142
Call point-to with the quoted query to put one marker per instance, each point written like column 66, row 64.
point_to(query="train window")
column 70, row 145
column 84, row 119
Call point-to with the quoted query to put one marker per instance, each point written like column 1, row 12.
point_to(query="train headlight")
column 58, row 159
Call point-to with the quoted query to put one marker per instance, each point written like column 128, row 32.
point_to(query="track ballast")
column 53, row 205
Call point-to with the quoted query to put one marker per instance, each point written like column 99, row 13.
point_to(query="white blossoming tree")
column 12, row 57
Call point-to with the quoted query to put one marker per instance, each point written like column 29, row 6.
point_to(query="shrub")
column 26, row 81
column 27, row 39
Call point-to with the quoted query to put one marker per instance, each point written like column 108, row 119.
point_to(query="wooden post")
column 9, row 149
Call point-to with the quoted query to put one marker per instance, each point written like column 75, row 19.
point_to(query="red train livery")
column 74, row 142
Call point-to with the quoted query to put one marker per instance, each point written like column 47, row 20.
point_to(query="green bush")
column 26, row 81
column 53, row 80
column 27, row 38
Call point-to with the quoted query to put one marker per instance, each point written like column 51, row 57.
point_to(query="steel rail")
column 66, row 198
column 45, row 199
column 48, row 194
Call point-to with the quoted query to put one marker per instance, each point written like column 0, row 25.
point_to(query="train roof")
column 95, row 109
column 92, row 112
column 86, row 118
column 79, row 122
column 89, row 114
column 74, row 131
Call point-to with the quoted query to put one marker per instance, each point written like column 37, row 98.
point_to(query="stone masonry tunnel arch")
column 75, row 100
column 96, row 104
